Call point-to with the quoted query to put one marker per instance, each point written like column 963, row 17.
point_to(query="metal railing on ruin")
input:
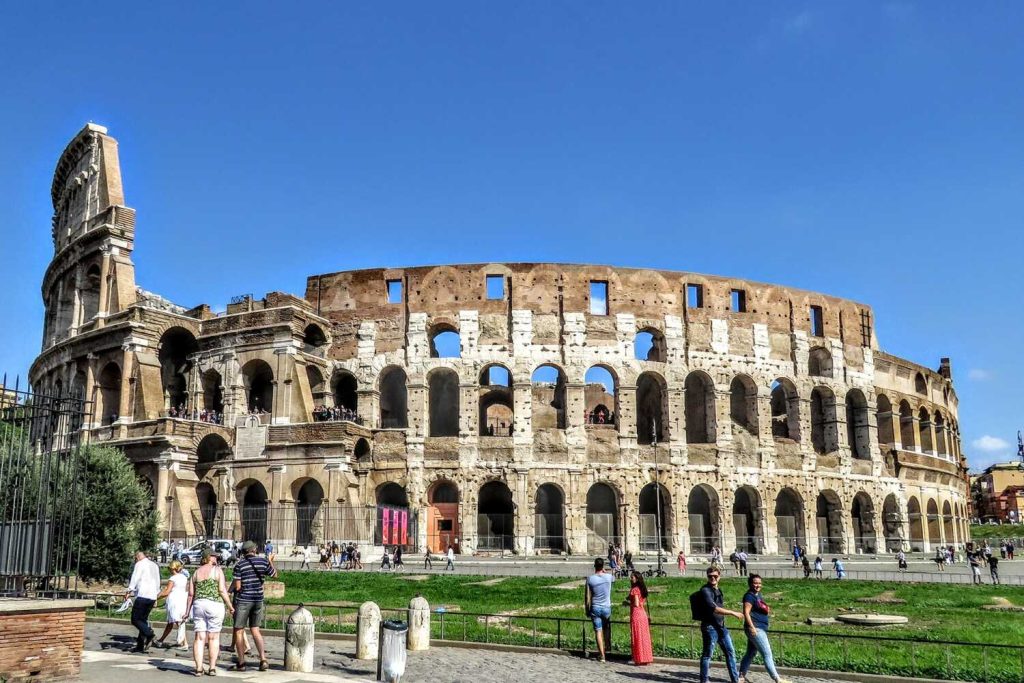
column 42, row 490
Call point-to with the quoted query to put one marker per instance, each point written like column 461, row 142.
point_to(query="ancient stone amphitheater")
column 513, row 407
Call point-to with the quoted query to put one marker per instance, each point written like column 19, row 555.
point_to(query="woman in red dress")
column 639, row 623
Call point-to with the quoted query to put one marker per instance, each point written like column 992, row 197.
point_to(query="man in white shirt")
column 145, row 584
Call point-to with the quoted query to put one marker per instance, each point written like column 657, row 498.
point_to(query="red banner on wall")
column 385, row 526
column 405, row 527
column 395, row 535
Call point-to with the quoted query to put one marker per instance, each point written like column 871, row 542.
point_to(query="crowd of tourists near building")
column 334, row 555
column 183, row 413
column 206, row 597
column 336, row 414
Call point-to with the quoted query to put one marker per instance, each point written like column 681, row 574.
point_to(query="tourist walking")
column 940, row 559
column 597, row 603
column 450, row 557
column 175, row 593
column 807, row 566
column 741, row 559
column 755, row 620
column 145, row 586
column 399, row 565
column 208, row 598
column 639, row 622
column 707, row 604
column 681, row 563
column 993, row 568
column 837, row 565
column 305, row 558
column 817, row 567
column 797, row 554
column 901, row 562
column 428, row 563
column 250, row 573
column 163, row 551
column 974, row 560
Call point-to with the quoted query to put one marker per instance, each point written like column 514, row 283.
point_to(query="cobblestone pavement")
column 106, row 659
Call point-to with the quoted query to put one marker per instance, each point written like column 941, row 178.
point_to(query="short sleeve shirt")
column 758, row 609
column 600, row 590
column 251, row 571
column 713, row 598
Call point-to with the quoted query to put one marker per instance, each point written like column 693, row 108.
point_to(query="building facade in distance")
column 998, row 493
column 523, row 407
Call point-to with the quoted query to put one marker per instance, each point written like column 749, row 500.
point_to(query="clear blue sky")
column 871, row 151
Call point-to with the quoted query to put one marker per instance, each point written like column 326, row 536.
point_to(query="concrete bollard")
column 299, row 641
column 367, row 631
column 419, row 625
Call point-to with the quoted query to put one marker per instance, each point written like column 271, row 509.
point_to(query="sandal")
column 197, row 672
column 212, row 671
column 264, row 665
column 238, row 667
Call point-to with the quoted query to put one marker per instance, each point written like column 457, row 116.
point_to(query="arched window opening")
column 361, row 451
column 702, row 509
column 258, row 379
column 700, row 408
column 601, row 397
column 394, row 399
column 884, row 416
column 90, row 293
column 651, row 516
column 924, row 425
column 857, row 432
column 947, row 522
column 920, row 384
column 109, row 383
column 651, row 408
column 443, row 527
column 496, row 402
column 548, row 400
column 649, row 345
column 829, row 514
column 213, row 395
column 602, row 518
column 916, row 525
column 176, row 345
column 824, row 435
column 395, row 526
column 862, row 515
column 346, row 394
column 940, row 435
column 907, row 440
column 892, row 524
column 308, row 525
column 313, row 338
column 789, row 519
column 819, row 362
column 254, row 513
column 746, row 519
column 785, row 410
column 443, row 388
column 208, row 508
column 549, row 519
column 495, row 517
column 445, row 343
column 317, row 387
column 743, row 404
column 934, row 524
column 211, row 450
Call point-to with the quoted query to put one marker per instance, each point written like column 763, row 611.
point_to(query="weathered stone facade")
column 512, row 404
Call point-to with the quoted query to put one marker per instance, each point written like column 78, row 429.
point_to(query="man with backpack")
column 250, row 573
column 707, row 606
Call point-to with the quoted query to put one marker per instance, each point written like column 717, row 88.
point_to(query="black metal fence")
column 41, row 490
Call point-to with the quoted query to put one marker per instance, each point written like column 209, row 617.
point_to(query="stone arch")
column 907, row 439
column 934, row 523
column 258, row 380
column 743, row 404
column 313, row 337
column 602, row 517
column 175, row 347
column 109, row 390
column 819, row 362
column 789, row 519
column 857, row 431
column 746, row 519
column 394, row 398
column 254, row 503
column 495, row 517
column 920, row 384
column 548, row 400
column 700, row 408
column 892, row 524
column 883, row 408
column 601, row 396
column 497, row 401
column 649, row 345
column 702, row 509
column 649, row 517
column 947, row 522
column 940, row 434
column 824, row 435
column 549, row 531
column 391, row 493
column 345, row 389
column 209, row 508
column 916, row 521
column 785, row 403
column 392, row 506
column 89, row 293
column 651, row 407
column 829, row 516
column 361, row 451
column 317, row 385
column 213, row 391
column 924, row 428
column 443, row 524
column 445, row 341
column 443, row 399
column 309, row 497
column 862, row 517
column 211, row 449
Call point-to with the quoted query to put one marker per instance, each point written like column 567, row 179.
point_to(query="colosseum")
column 501, row 407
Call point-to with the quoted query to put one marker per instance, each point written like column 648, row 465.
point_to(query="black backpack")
column 698, row 606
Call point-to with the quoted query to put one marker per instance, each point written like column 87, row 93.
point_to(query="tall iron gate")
column 42, row 472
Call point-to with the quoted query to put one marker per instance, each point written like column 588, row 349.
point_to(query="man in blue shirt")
column 598, row 604
column 250, row 572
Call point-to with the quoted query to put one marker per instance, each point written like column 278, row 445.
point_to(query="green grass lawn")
column 997, row 531
column 936, row 613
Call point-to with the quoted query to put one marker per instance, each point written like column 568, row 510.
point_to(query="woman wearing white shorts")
column 176, row 592
column 208, row 598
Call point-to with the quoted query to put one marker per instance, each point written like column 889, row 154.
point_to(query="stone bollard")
column 367, row 631
column 299, row 641
column 419, row 625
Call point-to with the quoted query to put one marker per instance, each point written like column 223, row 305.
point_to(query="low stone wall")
column 41, row 639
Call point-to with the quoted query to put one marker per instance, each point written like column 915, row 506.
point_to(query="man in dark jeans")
column 250, row 572
column 145, row 586
column 712, row 627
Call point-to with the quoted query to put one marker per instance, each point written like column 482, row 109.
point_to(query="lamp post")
column 657, row 489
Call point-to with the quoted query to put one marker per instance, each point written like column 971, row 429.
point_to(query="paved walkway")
column 106, row 659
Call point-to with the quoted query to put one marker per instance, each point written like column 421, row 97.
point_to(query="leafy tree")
column 118, row 518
